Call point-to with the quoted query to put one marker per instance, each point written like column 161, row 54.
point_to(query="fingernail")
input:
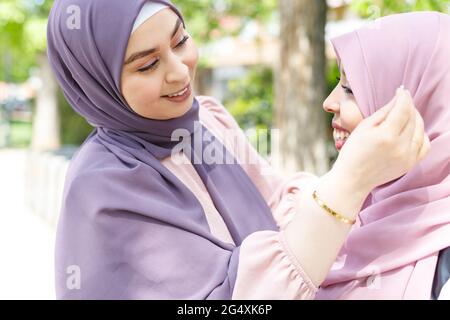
column 400, row 89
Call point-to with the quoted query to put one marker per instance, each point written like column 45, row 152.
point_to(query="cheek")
column 141, row 90
column 350, row 115
column 191, row 57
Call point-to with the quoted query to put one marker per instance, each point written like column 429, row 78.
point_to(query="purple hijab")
column 128, row 228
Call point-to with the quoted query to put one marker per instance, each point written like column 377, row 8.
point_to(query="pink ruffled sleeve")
column 285, row 198
column 269, row 271
column 267, row 268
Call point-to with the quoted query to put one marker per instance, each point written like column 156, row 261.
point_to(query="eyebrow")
column 141, row 54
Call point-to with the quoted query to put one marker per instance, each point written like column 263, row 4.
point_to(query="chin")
column 181, row 111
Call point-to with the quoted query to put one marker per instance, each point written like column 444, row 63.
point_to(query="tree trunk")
column 46, row 119
column 300, row 87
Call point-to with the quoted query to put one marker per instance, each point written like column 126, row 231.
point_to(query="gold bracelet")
column 331, row 211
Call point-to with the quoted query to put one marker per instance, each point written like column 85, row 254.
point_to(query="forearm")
column 314, row 236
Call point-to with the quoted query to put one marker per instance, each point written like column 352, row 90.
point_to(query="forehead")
column 159, row 26
column 341, row 68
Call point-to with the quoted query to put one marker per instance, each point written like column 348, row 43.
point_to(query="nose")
column 178, row 72
column 331, row 104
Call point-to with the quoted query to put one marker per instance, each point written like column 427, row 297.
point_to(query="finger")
column 425, row 149
column 418, row 135
column 413, row 130
column 401, row 114
column 409, row 128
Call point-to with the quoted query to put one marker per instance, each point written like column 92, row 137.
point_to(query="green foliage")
column 74, row 129
column 251, row 98
column 22, row 36
column 203, row 16
column 20, row 134
column 377, row 8
column 250, row 101
column 332, row 75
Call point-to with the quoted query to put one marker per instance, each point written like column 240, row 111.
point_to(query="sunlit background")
column 268, row 61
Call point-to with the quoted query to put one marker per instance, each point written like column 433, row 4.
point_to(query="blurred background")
column 270, row 62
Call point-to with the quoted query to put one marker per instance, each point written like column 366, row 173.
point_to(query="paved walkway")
column 26, row 241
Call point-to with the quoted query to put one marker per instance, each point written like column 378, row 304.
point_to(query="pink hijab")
column 392, row 253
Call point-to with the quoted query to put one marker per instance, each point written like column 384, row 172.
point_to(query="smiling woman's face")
column 159, row 68
column 347, row 115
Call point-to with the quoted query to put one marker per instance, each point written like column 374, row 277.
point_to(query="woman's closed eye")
column 347, row 89
column 154, row 64
column 149, row 66
column 182, row 41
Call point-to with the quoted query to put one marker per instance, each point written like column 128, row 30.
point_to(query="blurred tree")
column 251, row 104
column 252, row 98
column 204, row 17
column 22, row 46
column 23, row 25
column 300, row 86
column 46, row 121
column 22, row 36
column 22, row 40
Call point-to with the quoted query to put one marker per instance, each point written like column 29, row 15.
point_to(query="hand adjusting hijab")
column 393, row 253
column 130, row 227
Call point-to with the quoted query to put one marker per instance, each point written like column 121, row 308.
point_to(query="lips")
column 338, row 127
column 340, row 135
column 177, row 93
column 179, row 96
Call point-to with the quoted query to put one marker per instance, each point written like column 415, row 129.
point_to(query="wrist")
column 343, row 193
column 351, row 182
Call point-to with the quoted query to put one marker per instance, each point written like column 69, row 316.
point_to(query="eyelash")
column 150, row 66
column 347, row 90
column 154, row 64
column 182, row 42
